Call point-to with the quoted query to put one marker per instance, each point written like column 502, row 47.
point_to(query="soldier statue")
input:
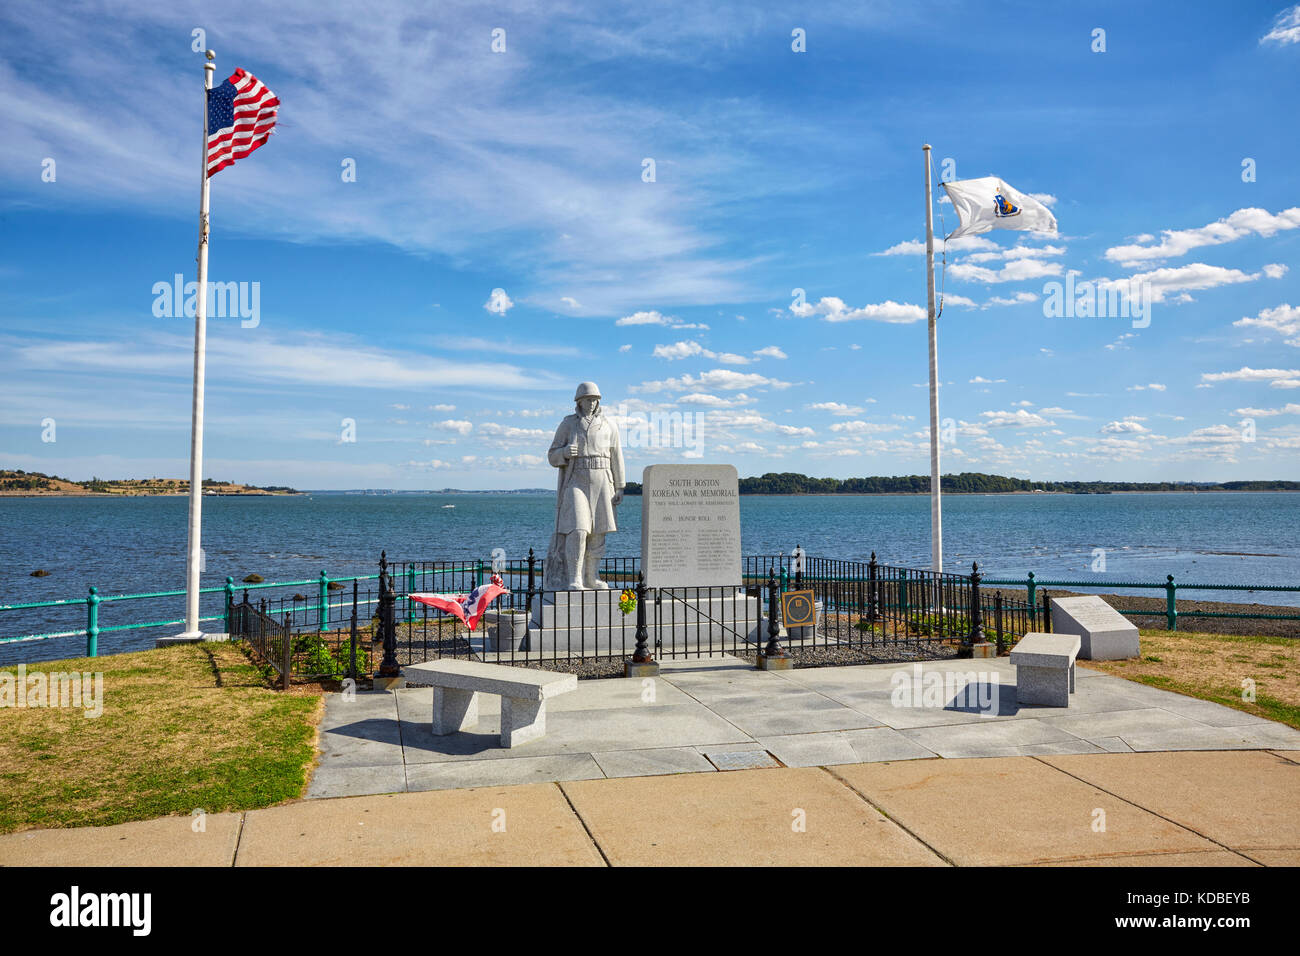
column 587, row 453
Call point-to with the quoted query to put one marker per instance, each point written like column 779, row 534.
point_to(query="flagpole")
column 194, row 559
column 936, row 510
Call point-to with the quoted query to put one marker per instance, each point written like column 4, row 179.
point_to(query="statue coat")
column 585, row 486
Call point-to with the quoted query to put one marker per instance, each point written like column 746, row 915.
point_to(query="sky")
column 713, row 211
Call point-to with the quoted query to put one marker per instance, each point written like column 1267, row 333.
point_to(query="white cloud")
column 1291, row 408
column 571, row 302
column 679, row 350
column 712, row 401
column 916, row 247
column 1116, row 428
column 835, row 408
column 459, row 426
column 981, row 380
column 1274, row 376
column 1179, row 242
column 442, row 408
column 1154, row 387
column 770, row 351
column 833, row 309
column 1020, row 298
column 512, row 433
column 625, row 348
column 1286, row 28
column 1017, row 270
column 1016, row 252
column 651, row 317
column 723, row 378
column 1194, row 276
column 306, row 359
column 1211, row 435
column 950, row 298
column 861, row 428
column 1284, row 319
column 1019, row 419
column 498, row 302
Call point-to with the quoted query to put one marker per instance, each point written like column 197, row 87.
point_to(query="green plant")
column 941, row 625
column 315, row 657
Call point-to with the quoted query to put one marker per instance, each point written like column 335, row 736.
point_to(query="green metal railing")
column 93, row 601
column 1170, row 588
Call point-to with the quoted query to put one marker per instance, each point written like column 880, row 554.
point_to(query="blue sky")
column 774, row 171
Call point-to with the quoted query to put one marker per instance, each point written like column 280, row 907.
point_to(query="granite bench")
column 1045, row 668
column 523, row 693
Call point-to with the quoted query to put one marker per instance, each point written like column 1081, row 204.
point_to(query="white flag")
column 989, row 203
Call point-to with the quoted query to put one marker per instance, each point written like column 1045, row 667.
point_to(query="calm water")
column 130, row 545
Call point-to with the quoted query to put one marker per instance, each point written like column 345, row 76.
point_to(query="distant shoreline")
column 636, row 494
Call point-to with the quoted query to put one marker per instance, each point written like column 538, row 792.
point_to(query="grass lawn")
column 182, row 728
column 1213, row 666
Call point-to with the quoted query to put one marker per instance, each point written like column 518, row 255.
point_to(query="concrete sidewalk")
column 704, row 716
column 1235, row 808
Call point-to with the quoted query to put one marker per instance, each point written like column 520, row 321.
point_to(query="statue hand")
column 571, row 451
column 618, row 498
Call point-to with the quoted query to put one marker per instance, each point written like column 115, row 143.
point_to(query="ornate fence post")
column 352, row 637
column 532, row 577
column 997, row 622
column 389, row 675
column 975, row 640
column 410, row 589
column 773, row 657
column 873, row 589
column 643, row 663
column 230, row 601
column 286, row 638
column 92, row 622
column 323, row 603
column 1171, row 604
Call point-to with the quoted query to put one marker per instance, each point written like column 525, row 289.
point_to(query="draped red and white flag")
column 468, row 608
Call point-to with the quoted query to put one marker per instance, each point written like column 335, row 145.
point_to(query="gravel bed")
column 1208, row 625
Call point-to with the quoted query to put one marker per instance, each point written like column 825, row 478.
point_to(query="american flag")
column 241, row 115
column 467, row 607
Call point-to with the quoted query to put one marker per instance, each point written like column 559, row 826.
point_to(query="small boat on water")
column 449, row 506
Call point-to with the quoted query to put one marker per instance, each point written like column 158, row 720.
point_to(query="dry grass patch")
column 1213, row 667
column 186, row 727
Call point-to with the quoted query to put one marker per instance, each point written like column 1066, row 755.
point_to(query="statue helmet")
column 587, row 390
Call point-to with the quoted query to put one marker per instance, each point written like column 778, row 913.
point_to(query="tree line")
column 969, row 482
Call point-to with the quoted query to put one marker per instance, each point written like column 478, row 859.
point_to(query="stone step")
column 600, row 608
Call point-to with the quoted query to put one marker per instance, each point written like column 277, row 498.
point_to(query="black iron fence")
column 860, row 604
column 292, row 637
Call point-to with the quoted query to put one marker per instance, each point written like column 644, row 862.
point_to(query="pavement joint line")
column 898, row 823
column 239, row 836
column 590, row 836
column 1277, row 753
column 738, row 730
column 1133, row 803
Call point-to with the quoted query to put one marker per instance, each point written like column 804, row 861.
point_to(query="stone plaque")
column 690, row 526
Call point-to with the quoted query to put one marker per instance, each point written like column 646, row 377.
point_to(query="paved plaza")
column 702, row 716
column 715, row 763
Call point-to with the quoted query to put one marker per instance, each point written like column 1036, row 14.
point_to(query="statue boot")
column 575, row 545
column 592, row 561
